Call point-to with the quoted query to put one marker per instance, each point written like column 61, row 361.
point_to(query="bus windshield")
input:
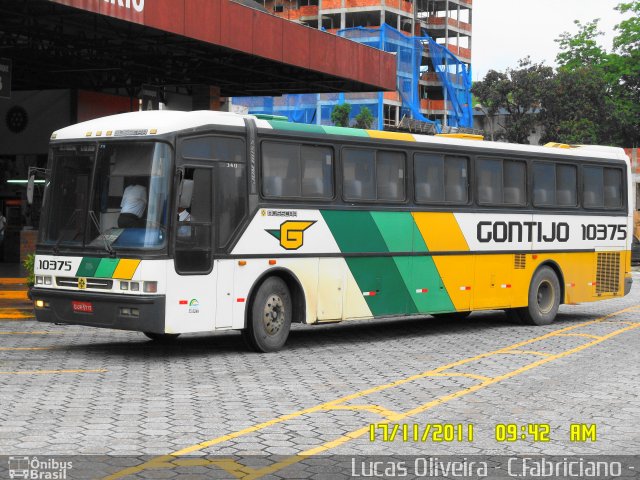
column 110, row 196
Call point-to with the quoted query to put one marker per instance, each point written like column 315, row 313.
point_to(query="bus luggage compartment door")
column 330, row 288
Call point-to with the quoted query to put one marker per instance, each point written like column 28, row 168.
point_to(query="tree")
column 619, row 124
column 340, row 115
column 582, row 48
column 576, row 108
column 517, row 91
column 364, row 119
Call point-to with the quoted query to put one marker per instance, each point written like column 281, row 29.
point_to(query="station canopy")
column 124, row 44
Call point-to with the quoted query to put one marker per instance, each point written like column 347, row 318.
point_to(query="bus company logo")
column 82, row 283
column 291, row 233
column 194, row 306
column 33, row 468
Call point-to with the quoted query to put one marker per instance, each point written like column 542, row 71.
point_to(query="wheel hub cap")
column 274, row 314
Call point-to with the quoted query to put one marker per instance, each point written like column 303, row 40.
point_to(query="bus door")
column 190, row 294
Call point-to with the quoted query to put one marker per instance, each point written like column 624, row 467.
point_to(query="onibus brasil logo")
column 291, row 233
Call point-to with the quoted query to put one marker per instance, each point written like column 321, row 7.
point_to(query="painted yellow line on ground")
column 466, row 375
column 529, row 352
column 51, row 372
column 162, row 461
column 13, row 295
column 389, row 415
column 13, row 281
column 12, row 314
column 584, row 335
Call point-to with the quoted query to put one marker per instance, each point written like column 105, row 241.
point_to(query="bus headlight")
column 134, row 286
column 47, row 281
column 150, row 287
column 39, row 280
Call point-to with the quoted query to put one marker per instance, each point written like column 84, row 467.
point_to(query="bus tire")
column 453, row 316
column 269, row 319
column 162, row 337
column 544, row 298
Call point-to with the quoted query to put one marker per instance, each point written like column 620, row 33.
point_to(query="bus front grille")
column 97, row 283
column 608, row 273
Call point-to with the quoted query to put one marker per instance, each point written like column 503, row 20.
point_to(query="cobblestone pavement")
column 68, row 390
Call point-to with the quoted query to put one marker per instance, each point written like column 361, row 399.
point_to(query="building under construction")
column 432, row 43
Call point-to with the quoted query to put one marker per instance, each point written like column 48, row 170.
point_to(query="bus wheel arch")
column 275, row 301
column 558, row 271
column 544, row 297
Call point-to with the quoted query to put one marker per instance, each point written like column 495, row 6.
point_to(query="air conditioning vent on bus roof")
column 520, row 261
column 608, row 273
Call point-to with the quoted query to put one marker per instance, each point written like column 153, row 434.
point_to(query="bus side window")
column 602, row 187
column 194, row 251
column 544, row 188
column 456, row 179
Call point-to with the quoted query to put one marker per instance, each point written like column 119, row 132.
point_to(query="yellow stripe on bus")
column 440, row 232
column 406, row 137
column 126, row 269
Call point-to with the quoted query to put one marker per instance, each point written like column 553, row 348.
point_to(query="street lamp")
column 481, row 108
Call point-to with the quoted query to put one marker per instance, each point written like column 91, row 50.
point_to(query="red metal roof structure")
column 102, row 44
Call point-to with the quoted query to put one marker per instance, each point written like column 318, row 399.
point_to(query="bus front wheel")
column 544, row 299
column 270, row 316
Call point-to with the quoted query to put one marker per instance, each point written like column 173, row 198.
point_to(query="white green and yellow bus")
column 305, row 223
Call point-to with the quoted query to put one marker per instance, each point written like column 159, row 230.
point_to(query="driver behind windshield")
column 133, row 204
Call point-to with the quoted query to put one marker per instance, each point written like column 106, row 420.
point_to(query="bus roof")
column 151, row 123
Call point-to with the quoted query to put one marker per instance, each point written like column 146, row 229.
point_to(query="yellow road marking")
column 13, row 295
column 386, row 413
column 12, row 314
column 529, row 352
column 162, row 460
column 13, row 281
column 48, row 372
column 467, row 375
column 585, row 335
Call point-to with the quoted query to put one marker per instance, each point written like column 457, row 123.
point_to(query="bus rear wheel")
column 162, row 337
column 544, row 299
column 270, row 316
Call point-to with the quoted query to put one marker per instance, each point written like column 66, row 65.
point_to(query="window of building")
column 441, row 178
column 291, row 170
column 368, row 175
column 554, row 185
column 602, row 187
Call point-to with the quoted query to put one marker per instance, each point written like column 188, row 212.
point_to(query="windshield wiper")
column 107, row 247
column 56, row 250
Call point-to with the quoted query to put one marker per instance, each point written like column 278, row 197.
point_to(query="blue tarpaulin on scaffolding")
column 316, row 108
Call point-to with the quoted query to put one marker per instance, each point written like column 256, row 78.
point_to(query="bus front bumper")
column 104, row 310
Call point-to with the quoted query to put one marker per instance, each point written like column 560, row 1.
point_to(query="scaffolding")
column 387, row 108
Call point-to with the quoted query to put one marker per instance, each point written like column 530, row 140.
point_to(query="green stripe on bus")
column 296, row 127
column 106, row 268
column 354, row 231
column 352, row 132
column 88, row 267
column 359, row 232
column 381, row 275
